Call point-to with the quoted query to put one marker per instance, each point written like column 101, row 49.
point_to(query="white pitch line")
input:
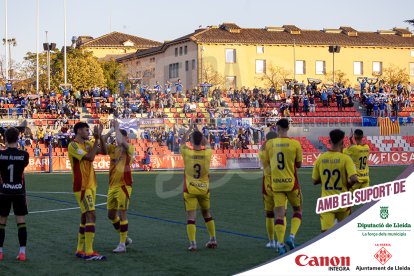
column 63, row 209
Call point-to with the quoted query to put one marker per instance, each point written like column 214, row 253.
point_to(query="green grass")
column 157, row 226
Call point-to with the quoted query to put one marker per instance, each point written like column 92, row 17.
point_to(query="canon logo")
column 304, row 260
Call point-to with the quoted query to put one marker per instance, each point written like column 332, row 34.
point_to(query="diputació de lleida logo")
column 384, row 212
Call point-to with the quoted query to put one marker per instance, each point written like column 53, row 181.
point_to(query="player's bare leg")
column 191, row 230
column 208, row 219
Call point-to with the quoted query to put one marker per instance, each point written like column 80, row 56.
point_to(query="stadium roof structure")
column 231, row 33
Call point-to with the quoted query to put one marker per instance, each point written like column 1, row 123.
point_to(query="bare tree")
column 211, row 76
column 340, row 77
column 394, row 75
column 275, row 76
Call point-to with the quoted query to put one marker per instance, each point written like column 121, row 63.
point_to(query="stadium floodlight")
column 333, row 50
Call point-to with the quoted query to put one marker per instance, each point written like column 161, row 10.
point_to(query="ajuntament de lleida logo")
column 384, row 212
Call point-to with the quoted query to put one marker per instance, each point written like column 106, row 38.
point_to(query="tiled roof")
column 117, row 39
column 304, row 37
column 229, row 33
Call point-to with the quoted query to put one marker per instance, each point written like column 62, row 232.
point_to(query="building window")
column 412, row 53
column 152, row 59
column 173, row 70
column 377, row 68
column 187, row 65
column 300, row 67
column 185, row 50
column 260, row 66
column 193, row 64
column 181, row 51
column 138, row 62
column 231, row 81
column 260, row 49
column 320, row 67
column 230, row 55
column 358, row 68
column 176, row 52
column 411, row 68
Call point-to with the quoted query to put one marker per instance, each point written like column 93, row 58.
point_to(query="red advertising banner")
column 101, row 163
column 175, row 161
column 374, row 159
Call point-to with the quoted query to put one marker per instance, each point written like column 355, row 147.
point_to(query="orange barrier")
column 101, row 163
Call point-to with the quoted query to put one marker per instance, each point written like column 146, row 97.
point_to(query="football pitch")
column 156, row 225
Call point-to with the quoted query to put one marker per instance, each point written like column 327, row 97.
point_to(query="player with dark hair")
column 336, row 172
column 82, row 153
column 13, row 189
column 359, row 153
column 120, row 182
column 284, row 156
column 268, row 200
column 197, row 159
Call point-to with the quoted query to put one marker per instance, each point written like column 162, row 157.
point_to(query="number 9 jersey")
column 196, row 170
column 282, row 155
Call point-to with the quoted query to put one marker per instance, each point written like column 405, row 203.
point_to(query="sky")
column 166, row 19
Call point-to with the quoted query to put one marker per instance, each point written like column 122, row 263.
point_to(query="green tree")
column 83, row 69
column 113, row 72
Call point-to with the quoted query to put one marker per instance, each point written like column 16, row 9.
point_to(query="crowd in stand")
column 65, row 105
column 382, row 99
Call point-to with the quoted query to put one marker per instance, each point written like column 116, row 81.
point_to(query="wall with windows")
column 179, row 61
column 244, row 64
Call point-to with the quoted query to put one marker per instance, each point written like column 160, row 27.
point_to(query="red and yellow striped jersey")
column 83, row 173
column 120, row 166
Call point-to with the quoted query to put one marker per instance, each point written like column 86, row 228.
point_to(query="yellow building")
column 114, row 45
column 242, row 56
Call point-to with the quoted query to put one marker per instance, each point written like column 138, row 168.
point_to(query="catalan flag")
column 389, row 126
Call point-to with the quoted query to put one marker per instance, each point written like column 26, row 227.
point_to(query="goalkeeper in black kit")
column 12, row 189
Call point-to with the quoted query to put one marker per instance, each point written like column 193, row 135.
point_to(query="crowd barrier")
column 218, row 161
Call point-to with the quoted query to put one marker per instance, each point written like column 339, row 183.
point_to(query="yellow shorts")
column 86, row 199
column 269, row 203
column 191, row 200
column 328, row 218
column 118, row 198
column 294, row 197
column 359, row 185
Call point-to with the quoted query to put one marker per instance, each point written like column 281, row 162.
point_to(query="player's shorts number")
column 336, row 173
column 362, row 162
column 197, row 170
column 280, row 160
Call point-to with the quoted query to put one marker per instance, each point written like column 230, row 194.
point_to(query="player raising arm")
column 284, row 155
column 197, row 159
column 336, row 172
column 13, row 189
column 82, row 153
column 120, row 183
column 359, row 153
